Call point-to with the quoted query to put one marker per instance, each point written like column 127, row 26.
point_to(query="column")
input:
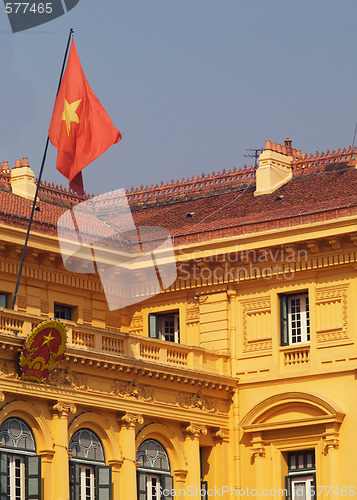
column 127, row 442
column 221, row 456
column 116, row 467
column 331, row 444
column 258, row 455
column 60, row 469
column 46, row 468
column 192, row 451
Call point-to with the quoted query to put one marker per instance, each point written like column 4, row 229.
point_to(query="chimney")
column 288, row 146
column 274, row 167
column 22, row 180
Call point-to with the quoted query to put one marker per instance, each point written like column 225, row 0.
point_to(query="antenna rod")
column 354, row 137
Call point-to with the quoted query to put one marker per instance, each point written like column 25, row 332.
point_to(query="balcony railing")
column 296, row 356
column 129, row 345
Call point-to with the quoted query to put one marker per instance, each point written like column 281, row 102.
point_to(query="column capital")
column 180, row 474
column 194, row 430
column 130, row 419
column 116, row 464
column 63, row 408
column 221, row 434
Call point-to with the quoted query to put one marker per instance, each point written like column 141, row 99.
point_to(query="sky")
column 190, row 84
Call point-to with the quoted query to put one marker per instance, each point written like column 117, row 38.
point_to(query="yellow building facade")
column 237, row 380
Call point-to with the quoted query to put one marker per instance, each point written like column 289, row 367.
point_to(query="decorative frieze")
column 256, row 325
column 133, row 389
column 196, row 400
column 22, row 302
column 192, row 314
column 45, row 307
column 87, row 316
column 137, row 323
column 76, row 380
column 331, row 314
column 9, row 369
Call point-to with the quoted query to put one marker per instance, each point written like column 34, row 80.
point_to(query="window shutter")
column 313, row 486
column 204, row 487
column 153, row 326
column 74, row 480
column 288, row 487
column 167, row 483
column 141, row 484
column 284, row 334
column 33, row 477
column 3, row 476
column 103, row 481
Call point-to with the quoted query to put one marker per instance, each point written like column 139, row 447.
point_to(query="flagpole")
column 71, row 31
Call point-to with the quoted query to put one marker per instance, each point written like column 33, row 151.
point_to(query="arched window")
column 90, row 478
column 153, row 472
column 20, row 467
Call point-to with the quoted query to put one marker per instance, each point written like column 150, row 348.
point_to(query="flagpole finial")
column 72, row 32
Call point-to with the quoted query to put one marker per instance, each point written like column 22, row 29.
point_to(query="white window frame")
column 161, row 326
column 307, row 479
column 83, row 482
column 302, row 316
column 12, row 476
column 150, row 478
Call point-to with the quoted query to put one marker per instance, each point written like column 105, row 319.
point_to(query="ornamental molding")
column 192, row 314
column 76, row 380
column 251, row 308
column 130, row 419
column 257, row 451
column 196, row 400
column 221, row 435
column 63, row 408
column 9, row 369
column 134, row 390
column 326, row 296
column 194, row 430
column 331, row 443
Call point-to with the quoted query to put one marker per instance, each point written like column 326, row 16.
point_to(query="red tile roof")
column 323, row 187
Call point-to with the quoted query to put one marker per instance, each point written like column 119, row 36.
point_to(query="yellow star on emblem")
column 69, row 113
column 47, row 339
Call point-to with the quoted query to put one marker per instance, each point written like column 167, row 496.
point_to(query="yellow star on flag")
column 69, row 113
column 47, row 339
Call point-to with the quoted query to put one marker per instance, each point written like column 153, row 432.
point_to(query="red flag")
column 80, row 127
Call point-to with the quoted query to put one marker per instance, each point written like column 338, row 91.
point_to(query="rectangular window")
column 164, row 327
column 300, row 483
column 3, row 299
column 153, row 487
column 295, row 319
column 86, row 482
column 16, row 477
column 62, row 311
